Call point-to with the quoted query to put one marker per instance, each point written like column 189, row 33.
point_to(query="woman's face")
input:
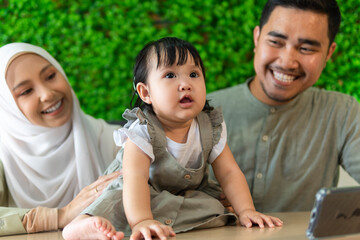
column 40, row 91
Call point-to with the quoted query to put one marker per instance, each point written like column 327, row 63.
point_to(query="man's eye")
column 170, row 75
column 307, row 50
column 274, row 43
column 194, row 75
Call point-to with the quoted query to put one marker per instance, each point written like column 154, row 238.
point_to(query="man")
column 287, row 137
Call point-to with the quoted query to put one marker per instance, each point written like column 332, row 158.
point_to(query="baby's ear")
column 143, row 92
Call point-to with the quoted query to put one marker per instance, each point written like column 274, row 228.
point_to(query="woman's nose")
column 46, row 93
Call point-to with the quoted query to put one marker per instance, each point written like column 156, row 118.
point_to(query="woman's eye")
column 194, row 75
column 170, row 75
column 51, row 76
column 27, row 91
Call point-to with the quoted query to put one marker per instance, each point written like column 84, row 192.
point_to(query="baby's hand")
column 147, row 228
column 248, row 217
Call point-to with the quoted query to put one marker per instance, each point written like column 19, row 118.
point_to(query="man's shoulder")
column 329, row 96
column 227, row 96
column 227, row 90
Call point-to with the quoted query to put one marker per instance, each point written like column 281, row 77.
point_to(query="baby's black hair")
column 168, row 50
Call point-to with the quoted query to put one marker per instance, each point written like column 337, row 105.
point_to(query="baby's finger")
column 245, row 221
column 172, row 232
column 135, row 235
column 165, row 229
column 277, row 221
column 268, row 220
column 143, row 233
column 258, row 220
column 159, row 232
column 146, row 233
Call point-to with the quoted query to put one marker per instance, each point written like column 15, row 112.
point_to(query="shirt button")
column 168, row 221
column 265, row 138
column 259, row 175
column 187, row 176
column 272, row 110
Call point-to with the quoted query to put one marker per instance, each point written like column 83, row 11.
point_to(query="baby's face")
column 40, row 91
column 177, row 93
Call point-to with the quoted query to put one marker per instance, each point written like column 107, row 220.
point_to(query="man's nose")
column 288, row 59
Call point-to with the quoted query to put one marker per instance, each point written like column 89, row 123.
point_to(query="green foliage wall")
column 96, row 42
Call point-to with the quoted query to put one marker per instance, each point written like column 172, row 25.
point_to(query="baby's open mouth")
column 186, row 99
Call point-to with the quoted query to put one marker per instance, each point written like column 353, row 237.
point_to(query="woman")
column 49, row 148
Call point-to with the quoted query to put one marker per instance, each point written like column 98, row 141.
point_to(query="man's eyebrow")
column 277, row 34
column 25, row 81
column 300, row 40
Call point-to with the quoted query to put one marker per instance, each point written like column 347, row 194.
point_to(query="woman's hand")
column 147, row 228
column 85, row 197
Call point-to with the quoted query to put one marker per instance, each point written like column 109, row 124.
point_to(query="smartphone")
column 336, row 212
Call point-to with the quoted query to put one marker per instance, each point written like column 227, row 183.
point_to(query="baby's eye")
column 194, row 75
column 170, row 75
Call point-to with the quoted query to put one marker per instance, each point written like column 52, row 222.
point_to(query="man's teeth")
column 54, row 108
column 284, row 77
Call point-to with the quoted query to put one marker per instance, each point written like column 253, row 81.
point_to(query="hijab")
column 48, row 166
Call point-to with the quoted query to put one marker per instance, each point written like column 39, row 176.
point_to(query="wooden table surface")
column 295, row 225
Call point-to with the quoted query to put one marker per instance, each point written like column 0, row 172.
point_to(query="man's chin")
column 280, row 99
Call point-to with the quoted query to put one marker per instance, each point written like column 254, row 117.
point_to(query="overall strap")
column 156, row 131
column 206, row 133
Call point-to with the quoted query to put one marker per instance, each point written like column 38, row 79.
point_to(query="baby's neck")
column 178, row 133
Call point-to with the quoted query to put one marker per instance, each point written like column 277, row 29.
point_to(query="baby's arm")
column 236, row 190
column 136, row 195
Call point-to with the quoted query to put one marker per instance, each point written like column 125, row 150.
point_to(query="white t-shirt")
column 187, row 154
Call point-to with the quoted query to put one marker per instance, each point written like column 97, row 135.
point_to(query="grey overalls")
column 180, row 197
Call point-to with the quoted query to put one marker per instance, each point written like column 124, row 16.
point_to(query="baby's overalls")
column 180, row 197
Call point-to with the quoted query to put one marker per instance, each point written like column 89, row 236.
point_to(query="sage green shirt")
column 10, row 218
column 289, row 152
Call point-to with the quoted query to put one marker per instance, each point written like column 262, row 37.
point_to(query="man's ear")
column 256, row 35
column 331, row 50
column 143, row 92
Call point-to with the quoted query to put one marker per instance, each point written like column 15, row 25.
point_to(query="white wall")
column 345, row 179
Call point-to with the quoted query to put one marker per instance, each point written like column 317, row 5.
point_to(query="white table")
column 295, row 225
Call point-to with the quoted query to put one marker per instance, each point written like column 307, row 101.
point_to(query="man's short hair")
column 328, row 7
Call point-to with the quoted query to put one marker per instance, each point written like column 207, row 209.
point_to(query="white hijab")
column 48, row 166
